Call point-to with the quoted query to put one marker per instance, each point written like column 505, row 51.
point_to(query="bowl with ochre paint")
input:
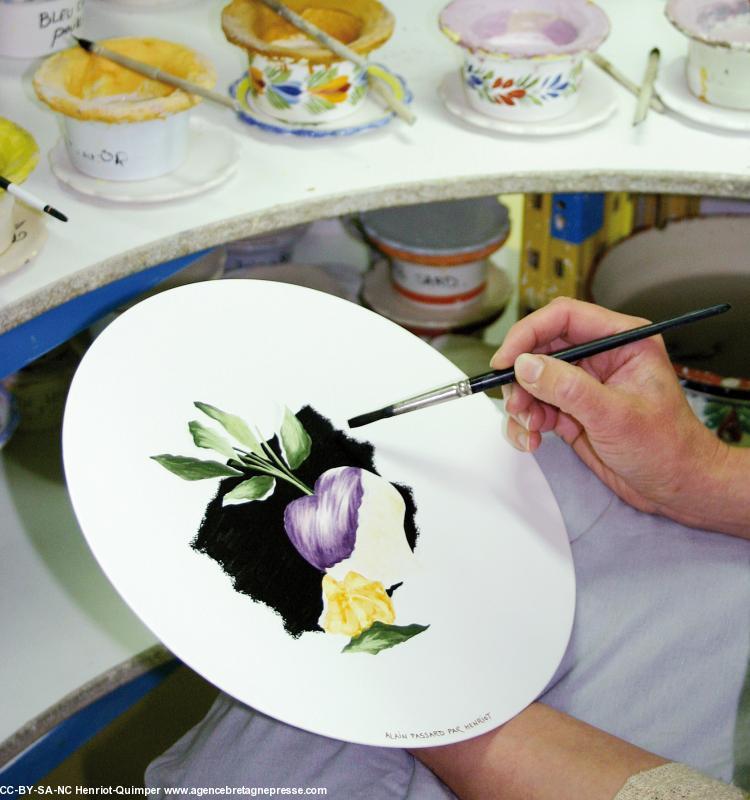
column 523, row 59
column 19, row 154
column 438, row 251
column 119, row 125
column 717, row 68
column 692, row 263
column 293, row 78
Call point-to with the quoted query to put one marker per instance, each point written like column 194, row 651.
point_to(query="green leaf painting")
column 258, row 488
column 321, row 76
column 317, row 105
column 193, row 469
column 295, row 442
column 357, row 93
column 381, row 636
column 234, row 425
column 205, row 437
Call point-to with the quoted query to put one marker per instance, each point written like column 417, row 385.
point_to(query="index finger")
column 563, row 320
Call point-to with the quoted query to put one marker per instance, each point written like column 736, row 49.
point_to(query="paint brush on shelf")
column 380, row 81
column 157, row 74
column 490, row 380
column 607, row 66
column 31, row 200
column 647, row 86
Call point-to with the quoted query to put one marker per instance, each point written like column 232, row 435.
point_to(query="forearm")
column 541, row 754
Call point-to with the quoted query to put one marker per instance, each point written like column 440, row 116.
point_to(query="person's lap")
column 657, row 656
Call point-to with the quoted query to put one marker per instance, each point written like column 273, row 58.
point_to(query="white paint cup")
column 39, row 27
column 128, row 151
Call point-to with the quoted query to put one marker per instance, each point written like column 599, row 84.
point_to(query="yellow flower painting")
column 352, row 605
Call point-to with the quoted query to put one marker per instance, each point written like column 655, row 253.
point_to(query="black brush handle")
column 490, row 380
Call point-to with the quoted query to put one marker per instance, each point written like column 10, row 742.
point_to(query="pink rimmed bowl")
column 718, row 60
column 523, row 59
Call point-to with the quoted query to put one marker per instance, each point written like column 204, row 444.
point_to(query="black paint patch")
column 249, row 541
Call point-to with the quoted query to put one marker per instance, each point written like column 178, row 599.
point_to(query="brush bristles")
column 86, row 44
column 372, row 416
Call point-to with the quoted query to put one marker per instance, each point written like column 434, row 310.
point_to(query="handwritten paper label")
column 60, row 22
column 26, row 31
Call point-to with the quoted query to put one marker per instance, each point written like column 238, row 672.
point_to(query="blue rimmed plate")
column 368, row 117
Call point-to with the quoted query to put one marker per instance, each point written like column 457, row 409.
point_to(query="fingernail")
column 522, row 437
column 507, row 392
column 524, row 419
column 529, row 368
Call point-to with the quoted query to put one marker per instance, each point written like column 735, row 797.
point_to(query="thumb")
column 569, row 388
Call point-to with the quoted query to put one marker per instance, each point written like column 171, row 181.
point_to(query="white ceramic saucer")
column 30, row 234
column 596, row 104
column 672, row 88
column 378, row 293
column 213, row 154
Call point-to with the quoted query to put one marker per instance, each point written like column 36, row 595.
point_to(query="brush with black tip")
column 490, row 380
column 30, row 200
column 156, row 74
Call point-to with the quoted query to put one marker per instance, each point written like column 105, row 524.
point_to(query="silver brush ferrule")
column 433, row 397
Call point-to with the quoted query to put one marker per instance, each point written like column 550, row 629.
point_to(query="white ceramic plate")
column 494, row 579
column 379, row 294
column 30, row 234
column 673, row 90
column 213, row 154
column 369, row 116
column 596, row 104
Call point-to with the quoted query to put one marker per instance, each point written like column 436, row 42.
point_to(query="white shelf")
column 284, row 180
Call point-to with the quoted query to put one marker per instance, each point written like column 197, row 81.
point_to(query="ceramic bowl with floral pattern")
column 523, row 59
column 293, row 78
column 718, row 60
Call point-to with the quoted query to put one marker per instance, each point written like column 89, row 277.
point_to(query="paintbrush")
column 157, row 74
column 489, row 380
column 647, row 87
column 611, row 70
column 30, row 199
column 378, row 78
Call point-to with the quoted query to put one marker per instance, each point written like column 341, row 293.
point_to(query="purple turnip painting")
column 312, row 531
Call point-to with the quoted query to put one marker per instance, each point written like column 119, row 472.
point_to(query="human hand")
column 623, row 411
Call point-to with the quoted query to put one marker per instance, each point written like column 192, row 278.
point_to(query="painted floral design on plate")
column 526, row 90
column 304, row 524
column 324, row 89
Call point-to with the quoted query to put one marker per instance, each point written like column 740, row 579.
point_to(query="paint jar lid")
column 470, row 228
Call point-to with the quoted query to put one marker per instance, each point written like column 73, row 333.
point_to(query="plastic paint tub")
column 19, row 154
column 119, row 125
column 438, row 251
column 39, row 27
column 718, row 61
column 127, row 151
